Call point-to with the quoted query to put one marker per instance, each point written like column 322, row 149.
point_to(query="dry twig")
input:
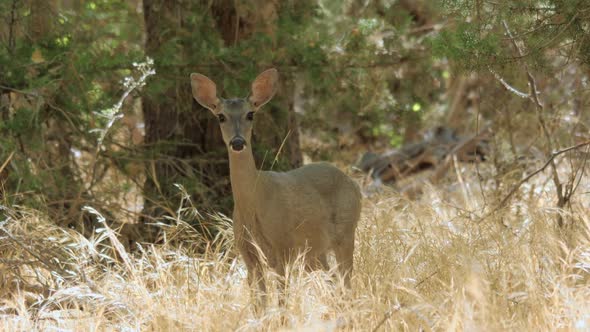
column 530, row 176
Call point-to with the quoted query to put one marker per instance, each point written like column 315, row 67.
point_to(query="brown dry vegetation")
column 429, row 264
column 495, row 246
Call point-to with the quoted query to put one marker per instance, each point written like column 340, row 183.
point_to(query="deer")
column 310, row 211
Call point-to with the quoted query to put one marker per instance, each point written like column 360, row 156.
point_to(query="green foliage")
column 58, row 68
column 465, row 45
column 477, row 38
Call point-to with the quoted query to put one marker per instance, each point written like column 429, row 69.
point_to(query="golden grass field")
column 426, row 264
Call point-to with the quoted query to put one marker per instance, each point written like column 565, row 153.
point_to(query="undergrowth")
column 425, row 264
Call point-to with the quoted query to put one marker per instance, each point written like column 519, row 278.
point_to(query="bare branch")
column 530, row 176
column 28, row 93
column 116, row 112
column 534, row 97
column 509, row 87
column 11, row 28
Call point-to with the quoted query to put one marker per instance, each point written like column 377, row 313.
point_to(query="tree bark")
column 182, row 143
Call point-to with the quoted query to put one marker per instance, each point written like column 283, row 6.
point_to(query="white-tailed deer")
column 311, row 210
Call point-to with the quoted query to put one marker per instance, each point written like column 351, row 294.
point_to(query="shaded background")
column 85, row 122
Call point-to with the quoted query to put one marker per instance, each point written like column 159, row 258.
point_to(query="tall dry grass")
column 427, row 264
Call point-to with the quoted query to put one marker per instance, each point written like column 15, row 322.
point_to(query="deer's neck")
column 244, row 178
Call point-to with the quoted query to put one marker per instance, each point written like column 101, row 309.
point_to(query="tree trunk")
column 183, row 144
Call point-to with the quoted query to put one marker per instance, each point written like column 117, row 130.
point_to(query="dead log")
column 431, row 153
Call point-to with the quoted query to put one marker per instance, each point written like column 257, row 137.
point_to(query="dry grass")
column 427, row 264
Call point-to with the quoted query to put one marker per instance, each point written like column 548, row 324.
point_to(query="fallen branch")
column 6, row 162
column 433, row 153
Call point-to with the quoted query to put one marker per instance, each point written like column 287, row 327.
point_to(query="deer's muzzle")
column 237, row 143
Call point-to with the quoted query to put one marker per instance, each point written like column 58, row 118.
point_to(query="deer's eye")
column 250, row 116
column 221, row 117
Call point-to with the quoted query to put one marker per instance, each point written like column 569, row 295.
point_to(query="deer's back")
column 314, row 180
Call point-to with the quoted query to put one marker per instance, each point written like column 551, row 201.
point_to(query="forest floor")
column 432, row 263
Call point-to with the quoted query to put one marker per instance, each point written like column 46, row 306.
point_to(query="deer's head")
column 235, row 115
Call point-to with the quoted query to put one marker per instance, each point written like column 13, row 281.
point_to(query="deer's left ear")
column 264, row 88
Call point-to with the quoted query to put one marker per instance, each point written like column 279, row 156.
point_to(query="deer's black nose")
column 237, row 143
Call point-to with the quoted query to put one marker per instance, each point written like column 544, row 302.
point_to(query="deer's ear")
column 204, row 91
column 264, row 87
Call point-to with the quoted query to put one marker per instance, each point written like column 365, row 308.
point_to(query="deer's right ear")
column 204, row 91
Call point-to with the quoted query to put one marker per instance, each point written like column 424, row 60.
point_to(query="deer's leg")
column 344, row 251
column 253, row 263
column 323, row 259
column 255, row 277
column 317, row 262
column 280, row 268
